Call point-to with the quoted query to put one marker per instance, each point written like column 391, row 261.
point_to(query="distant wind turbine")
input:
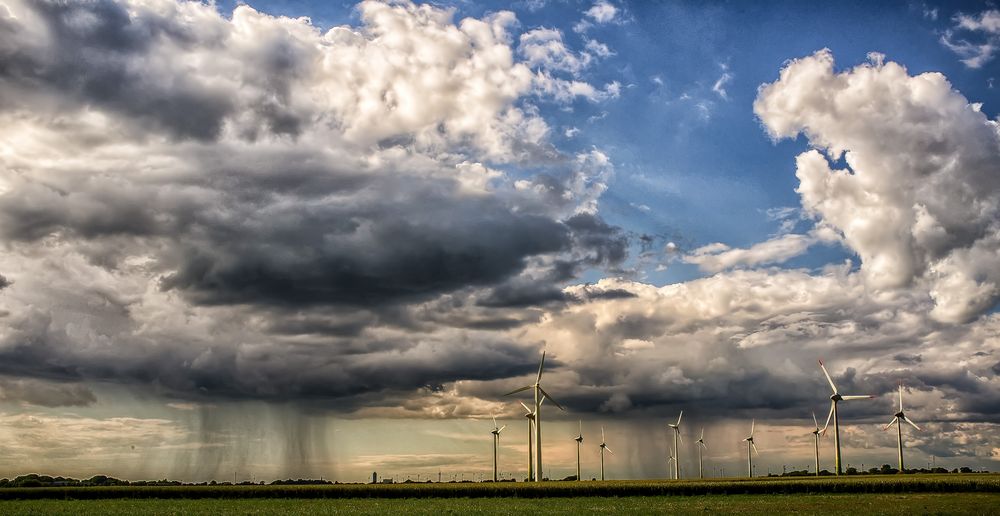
column 750, row 444
column 496, row 445
column 677, row 435
column 701, row 446
column 835, row 398
column 898, row 420
column 579, row 441
column 670, row 459
column 816, row 433
column 540, row 394
column 604, row 447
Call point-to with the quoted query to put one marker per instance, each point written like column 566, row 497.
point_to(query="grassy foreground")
column 920, row 503
column 879, row 484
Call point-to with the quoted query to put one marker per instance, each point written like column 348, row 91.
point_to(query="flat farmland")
column 911, row 494
column 913, row 503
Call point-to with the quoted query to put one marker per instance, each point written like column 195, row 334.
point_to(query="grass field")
column 879, row 484
column 919, row 503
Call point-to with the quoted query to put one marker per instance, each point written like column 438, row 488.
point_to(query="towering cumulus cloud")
column 212, row 204
column 905, row 167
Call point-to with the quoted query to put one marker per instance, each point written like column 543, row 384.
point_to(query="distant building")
column 387, row 481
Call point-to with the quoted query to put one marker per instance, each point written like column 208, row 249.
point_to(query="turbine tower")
column 835, row 398
column 579, row 441
column 750, row 444
column 701, row 446
column 496, row 445
column 677, row 435
column 604, row 447
column 898, row 420
column 816, row 433
column 530, row 415
column 540, row 394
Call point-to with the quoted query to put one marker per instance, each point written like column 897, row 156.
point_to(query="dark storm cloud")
column 97, row 56
column 603, row 244
column 279, row 370
column 522, row 293
column 4, row 282
column 435, row 245
column 907, row 359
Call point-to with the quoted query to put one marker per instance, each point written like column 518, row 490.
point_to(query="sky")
column 282, row 239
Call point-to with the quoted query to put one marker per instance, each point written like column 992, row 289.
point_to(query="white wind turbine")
column 579, row 441
column 750, row 444
column 670, row 458
column 677, row 435
column 604, row 447
column 701, row 446
column 530, row 415
column 540, row 394
column 496, row 445
column 816, row 433
column 898, row 420
column 835, row 398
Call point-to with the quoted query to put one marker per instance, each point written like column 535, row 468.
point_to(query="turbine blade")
column 519, row 390
column 893, row 422
column 609, row 449
column 900, row 396
column 754, row 446
column 863, row 397
column 541, row 401
column 679, row 438
column 914, row 425
column 501, row 428
column 540, row 366
column 581, row 428
column 526, row 407
column 828, row 418
column 550, row 398
column 702, row 434
column 703, row 444
column 832, row 386
column 815, row 422
column 494, row 420
column 752, row 423
column 602, row 435
column 679, row 418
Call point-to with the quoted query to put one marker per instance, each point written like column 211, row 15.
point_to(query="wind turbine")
column 530, row 415
column 898, row 420
column 834, row 399
column 496, row 445
column 670, row 458
column 816, row 433
column 540, row 394
column 604, row 447
column 579, row 441
column 677, row 434
column 701, row 446
column 750, row 444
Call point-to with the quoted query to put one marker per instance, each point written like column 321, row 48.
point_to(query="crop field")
column 917, row 503
column 879, row 484
column 921, row 494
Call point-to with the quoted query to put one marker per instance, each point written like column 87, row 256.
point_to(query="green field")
column 909, row 494
column 877, row 484
column 920, row 503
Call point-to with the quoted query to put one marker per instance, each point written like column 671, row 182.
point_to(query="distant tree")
column 852, row 470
